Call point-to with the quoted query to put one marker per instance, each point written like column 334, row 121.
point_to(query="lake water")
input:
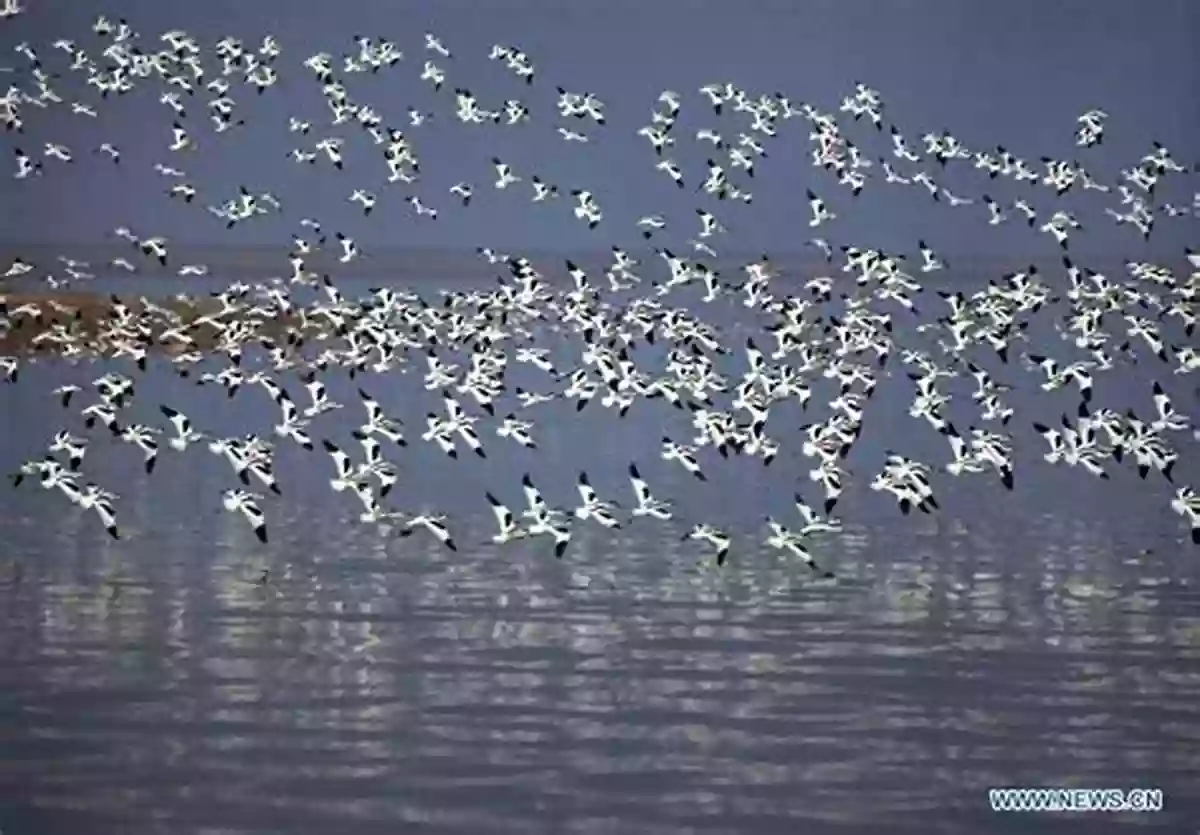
column 374, row 684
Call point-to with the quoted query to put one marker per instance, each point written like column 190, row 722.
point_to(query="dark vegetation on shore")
column 37, row 318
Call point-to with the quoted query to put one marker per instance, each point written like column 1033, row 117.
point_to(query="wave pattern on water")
column 153, row 684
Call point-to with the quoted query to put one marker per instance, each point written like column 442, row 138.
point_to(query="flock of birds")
column 834, row 333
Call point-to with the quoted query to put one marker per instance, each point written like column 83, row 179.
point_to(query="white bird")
column 543, row 191
column 26, row 165
column 143, row 438
column 592, row 507
column 587, row 210
column 378, row 422
column 710, row 224
column 95, row 499
column 364, row 199
column 504, row 174
column 713, row 536
column 433, row 74
column 345, row 476
column 246, row 503
column 75, row 448
column 291, row 426
column 1187, row 504
column 813, row 523
column 783, row 539
column 517, row 430
column 184, row 434
column 929, row 258
column 820, row 213
column 658, row 136
column 572, row 136
column 647, row 504
column 155, row 248
column 421, row 209
column 509, row 530
column 349, row 248
column 436, row 525
column 180, row 140
column 320, row 399
column 18, row 267
column 434, row 44
column 684, row 455
column 64, row 393
column 650, row 224
column 1168, row 417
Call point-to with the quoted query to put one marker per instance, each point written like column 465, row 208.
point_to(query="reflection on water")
column 157, row 683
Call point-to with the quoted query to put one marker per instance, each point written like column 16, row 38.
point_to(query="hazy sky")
column 1015, row 73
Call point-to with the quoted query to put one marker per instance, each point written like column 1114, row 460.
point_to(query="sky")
column 1016, row 73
